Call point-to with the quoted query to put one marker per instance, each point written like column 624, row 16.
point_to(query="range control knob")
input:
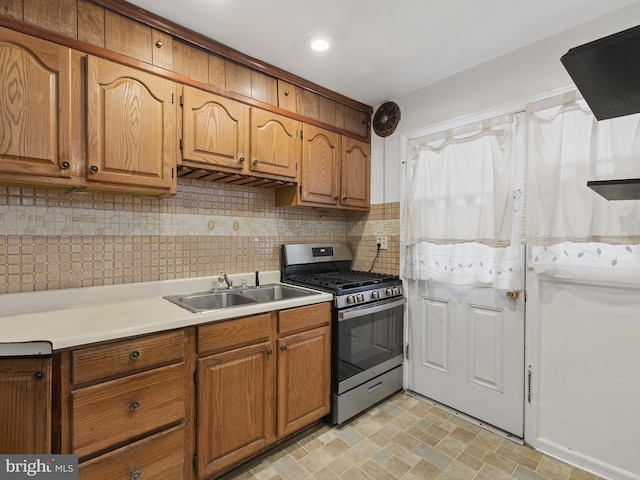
column 351, row 299
column 360, row 297
column 396, row 291
column 375, row 294
column 389, row 291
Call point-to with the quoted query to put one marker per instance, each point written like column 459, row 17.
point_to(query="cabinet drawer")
column 159, row 457
column 234, row 333
column 106, row 414
column 127, row 356
column 301, row 318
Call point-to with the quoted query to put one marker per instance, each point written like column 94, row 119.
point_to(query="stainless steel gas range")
column 367, row 324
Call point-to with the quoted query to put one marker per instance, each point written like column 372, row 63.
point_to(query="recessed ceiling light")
column 318, row 43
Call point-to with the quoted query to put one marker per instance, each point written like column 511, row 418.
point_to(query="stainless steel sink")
column 271, row 293
column 206, row 301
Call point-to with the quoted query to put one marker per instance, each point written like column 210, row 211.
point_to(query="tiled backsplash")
column 49, row 240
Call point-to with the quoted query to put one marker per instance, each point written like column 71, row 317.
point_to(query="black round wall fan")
column 386, row 119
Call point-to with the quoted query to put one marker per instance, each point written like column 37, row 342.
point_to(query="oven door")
column 368, row 342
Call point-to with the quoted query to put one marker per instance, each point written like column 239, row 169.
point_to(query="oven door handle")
column 359, row 312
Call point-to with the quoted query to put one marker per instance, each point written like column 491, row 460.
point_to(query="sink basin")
column 203, row 301
column 271, row 293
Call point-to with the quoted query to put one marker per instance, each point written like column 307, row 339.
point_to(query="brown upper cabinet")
column 335, row 172
column 275, row 144
column 35, row 111
column 225, row 135
column 215, row 131
column 131, row 128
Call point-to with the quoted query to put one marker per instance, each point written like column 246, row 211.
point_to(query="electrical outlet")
column 382, row 241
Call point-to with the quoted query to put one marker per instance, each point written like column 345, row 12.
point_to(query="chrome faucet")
column 224, row 278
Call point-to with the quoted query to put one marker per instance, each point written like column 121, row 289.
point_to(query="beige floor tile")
column 423, row 436
column 316, row 460
column 377, row 472
column 299, row 452
column 529, row 452
column 458, row 471
column 437, row 431
column 325, row 474
column 554, row 469
column 472, row 462
column 493, row 473
column 530, row 463
column 379, row 439
column 405, row 440
column 500, row 463
column 361, row 452
column 336, row 447
column 396, row 466
column 463, row 435
column 423, row 471
column 340, row 465
column 451, row 446
column 354, row 473
column 577, row 474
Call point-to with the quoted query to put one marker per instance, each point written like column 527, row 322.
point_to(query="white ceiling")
column 382, row 48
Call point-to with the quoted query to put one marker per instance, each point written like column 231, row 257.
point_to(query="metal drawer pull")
column 283, row 348
column 135, row 475
column 134, row 355
column 38, row 375
column 134, row 406
column 269, row 352
column 373, row 388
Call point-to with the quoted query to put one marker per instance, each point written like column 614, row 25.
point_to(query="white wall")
column 512, row 78
column 567, row 418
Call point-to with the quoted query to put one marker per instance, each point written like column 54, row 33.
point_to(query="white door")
column 467, row 351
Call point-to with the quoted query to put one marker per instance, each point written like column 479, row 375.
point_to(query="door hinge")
column 406, row 351
column 172, row 99
column 301, row 134
column 181, row 100
column 172, row 172
column 195, row 377
column 180, row 144
column 195, row 462
column 300, row 189
column 529, row 375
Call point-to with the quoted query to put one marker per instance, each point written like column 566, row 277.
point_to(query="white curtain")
column 459, row 208
column 572, row 231
column 460, row 189
column 564, row 144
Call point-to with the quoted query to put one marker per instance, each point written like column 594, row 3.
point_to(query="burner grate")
column 344, row 280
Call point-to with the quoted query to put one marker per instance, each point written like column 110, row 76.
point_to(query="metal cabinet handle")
column 283, row 348
column 93, row 169
column 38, row 375
column 134, row 406
column 269, row 352
column 134, row 355
column 159, row 43
column 336, row 198
column 64, row 165
column 241, row 160
column 255, row 162
column 135, row 475
column 286, row 93
column 344, row 199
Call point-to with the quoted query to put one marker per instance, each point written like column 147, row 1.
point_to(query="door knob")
column 513, row 294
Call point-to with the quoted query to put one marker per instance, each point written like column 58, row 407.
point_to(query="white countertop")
column 79, row 316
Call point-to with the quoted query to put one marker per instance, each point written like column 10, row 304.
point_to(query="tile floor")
column 406, row 438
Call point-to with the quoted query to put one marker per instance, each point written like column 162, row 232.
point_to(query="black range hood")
column 607, row 73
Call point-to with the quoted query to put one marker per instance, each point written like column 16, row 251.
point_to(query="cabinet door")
column 236, row 402
column 215, row 130
column 131, row 127
column 35, row 107
column 25, row 406
column 320, row 180
column 356, row 173
column 275, row 144
column 304, row 372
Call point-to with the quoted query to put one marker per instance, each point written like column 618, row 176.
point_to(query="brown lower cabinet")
column 189, row 404
column 260, row 379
